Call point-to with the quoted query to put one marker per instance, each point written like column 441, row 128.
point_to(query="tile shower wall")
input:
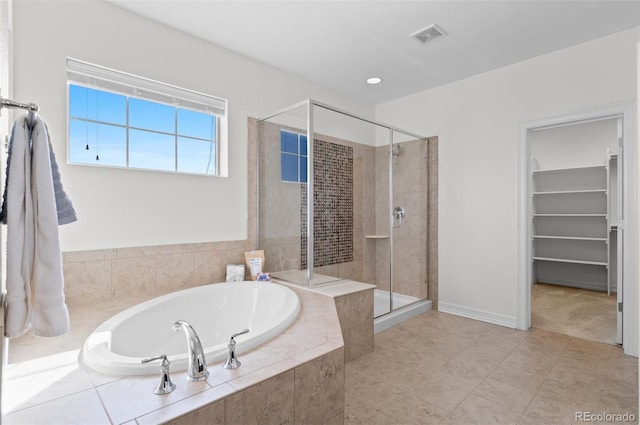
column 409, row 191
column 278, row 205
column 362, row 266
column 432, row 233
column 415, row 240
column 332, row 205
column 416, row 271
column 280, row 209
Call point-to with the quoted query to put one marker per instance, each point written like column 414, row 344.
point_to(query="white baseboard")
column 472, row 313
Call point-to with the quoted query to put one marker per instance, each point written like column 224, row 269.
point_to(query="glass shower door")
column 282, row 177
column 409, row 212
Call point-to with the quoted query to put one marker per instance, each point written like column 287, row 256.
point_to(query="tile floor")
column 443, row 369
column 572, row 311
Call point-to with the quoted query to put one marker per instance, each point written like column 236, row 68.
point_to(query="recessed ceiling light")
column 374, row 80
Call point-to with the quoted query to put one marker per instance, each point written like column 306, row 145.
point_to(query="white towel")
column 35, row 284
column 18, row 206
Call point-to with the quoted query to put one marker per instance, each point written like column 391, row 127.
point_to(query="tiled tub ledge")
column 295, row 378
column 354, row 305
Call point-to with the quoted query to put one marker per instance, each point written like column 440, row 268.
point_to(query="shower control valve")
column 398, row 215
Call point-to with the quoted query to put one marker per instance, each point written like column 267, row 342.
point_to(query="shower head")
column 395, row 151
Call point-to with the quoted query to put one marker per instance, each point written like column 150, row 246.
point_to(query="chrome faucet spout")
column 197, row 362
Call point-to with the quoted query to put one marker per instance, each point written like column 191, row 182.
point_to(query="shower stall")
column 344, row 197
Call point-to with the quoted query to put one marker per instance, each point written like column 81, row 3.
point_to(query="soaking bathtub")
column 215, row 311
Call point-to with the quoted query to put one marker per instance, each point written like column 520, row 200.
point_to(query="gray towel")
column 64, row 207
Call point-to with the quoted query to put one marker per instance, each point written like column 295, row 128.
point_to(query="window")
column 120, row 120
column 293, row 157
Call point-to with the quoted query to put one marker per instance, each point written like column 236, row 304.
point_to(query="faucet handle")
column 232, row 361
column 242, row 332
column 165, row 386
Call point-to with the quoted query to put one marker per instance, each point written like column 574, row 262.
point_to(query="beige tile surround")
column 355, row 312
column 354, row 305
column 295, row 378
column 116, row 274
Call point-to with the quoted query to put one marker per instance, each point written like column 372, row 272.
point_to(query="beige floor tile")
column 473, row 372
column 515, row 394
column 476, row 410
column 375, row 419
column 572, row 311
column 446, row 388
column 412, row 409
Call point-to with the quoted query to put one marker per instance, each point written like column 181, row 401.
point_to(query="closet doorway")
column 575, row 193
column 576, row 248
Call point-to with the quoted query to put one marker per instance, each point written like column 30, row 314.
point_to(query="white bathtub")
column 215, row 311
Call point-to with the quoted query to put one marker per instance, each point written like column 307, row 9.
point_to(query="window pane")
column 196, row 156
column 151, row 151
column 289, row 167
column 303, row 145
column 288, row 142
column 78, row 101
column 78, row 142
column 152, row 115
column 97, row 105
column 112, row 108
column 111, row 146
column 106, row 142
column 303, row 169
column 196, row 124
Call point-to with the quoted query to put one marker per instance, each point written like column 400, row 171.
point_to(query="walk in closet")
column 574, row 187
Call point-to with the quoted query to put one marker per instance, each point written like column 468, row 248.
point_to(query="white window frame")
column 97, row 77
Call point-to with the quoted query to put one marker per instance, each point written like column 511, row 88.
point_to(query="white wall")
column 123, row 208
column 574, row 145
column 476, row 120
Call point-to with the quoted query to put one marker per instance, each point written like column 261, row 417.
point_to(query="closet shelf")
column 571, row 238
column 560, row 170
column 570, row 227
column 569, row 260
column 567, row 192
column 569, row 215
column 377, row 236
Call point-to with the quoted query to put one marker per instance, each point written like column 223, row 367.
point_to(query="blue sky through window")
column 293, row 157
column 117, row 130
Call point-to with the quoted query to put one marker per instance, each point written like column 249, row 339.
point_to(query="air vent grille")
column 428, row 34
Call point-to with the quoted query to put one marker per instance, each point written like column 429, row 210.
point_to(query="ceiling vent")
column 428, row 34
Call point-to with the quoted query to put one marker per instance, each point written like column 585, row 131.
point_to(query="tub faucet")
column 232, row 361
column 165, row 386
column 197, row 363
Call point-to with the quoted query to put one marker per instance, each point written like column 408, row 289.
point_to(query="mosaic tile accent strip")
column 332, row 205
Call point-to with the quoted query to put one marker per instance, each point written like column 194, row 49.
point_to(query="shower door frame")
column 310, row 104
